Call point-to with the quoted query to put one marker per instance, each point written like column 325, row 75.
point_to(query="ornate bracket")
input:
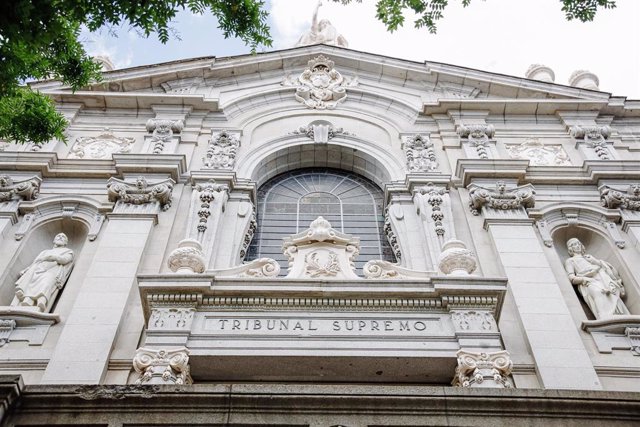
column 222, row 150
column 420, row 153
column 26, row 189
column 129, row 197
column 616, row 198
column 477, row 136
column 594, row 137
column 321, row 251
column 162, row 366
column 162, row 131
column 483, row 370
column 320, row 86
column 522, row 197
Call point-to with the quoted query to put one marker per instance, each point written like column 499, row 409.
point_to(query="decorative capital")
column 476, row 133
column 616, row 198
column 483, row 370
column 162, row 131
column 222, row 149
column 321, row 251
column 501, row 198
column 187, row 257
column 420, row 153
column 27, row 189
column 320, row 86
column 162, row 366
column 456, row 260
column 129, row 195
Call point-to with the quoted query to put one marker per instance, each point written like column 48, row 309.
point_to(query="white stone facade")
column 483, row 179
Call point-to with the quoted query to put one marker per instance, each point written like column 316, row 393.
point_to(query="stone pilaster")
column 561, row 359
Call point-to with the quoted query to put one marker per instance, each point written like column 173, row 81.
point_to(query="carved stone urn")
column 456, row 259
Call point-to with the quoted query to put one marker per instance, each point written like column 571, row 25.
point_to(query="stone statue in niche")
column 321, row 32
column 598, row 281
column 39, row 283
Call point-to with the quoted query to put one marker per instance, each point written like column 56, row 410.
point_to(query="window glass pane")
column 289, row 202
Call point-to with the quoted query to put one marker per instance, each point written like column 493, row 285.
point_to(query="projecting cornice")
column 136, row 100
column 49, row 165
column 591, row 171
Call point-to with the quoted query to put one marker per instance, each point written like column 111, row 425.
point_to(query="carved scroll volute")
column 619, row 198
column 502, row 198
column 140, row 196
column 321, row 252
column 594, row 138
column 26, row 189
column 162, row 366
column 477, row 139
column 162, row 133
column 483, row 370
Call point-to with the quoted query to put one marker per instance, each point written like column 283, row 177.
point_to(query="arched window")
column 289, row 202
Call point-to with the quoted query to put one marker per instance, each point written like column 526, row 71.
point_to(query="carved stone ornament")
column 456, row 259
column 391, row 235
column 320, row 86
column 615, row 198
column 27, row 189
column 101, row 146
column 321, row 32
column 140, row 192
column 257, row 268
column 321, row 252
column 539, row 154
column 501, row 198
column 162, row 131
column 320, row 131
column 633, row 335
column 251, row 230
column 473, row 321
column 6, row 328
column 221, row 152
column 483, row 370
column 380, row 269
column 162, row 366
column 187, row 257
column 207, row 193
column 421, row 156
column 594, row 137
column 478, row 136
column 173, row 318
column 116, row 392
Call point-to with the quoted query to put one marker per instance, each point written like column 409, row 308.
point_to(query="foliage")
column 391, row 12
column 39, row 40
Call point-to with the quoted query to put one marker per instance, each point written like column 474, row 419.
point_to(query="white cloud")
column 503, row 36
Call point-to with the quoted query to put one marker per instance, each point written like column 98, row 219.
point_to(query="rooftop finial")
column 321, row 32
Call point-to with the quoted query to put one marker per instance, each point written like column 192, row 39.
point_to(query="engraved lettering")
column 336, row 325
column 257, row 324
column 349, row 325
column 222, row 323
column 298, row 327
column 361, row 324
column 404, row 325
column 420, row 326
column 284, row 325
column 271, row 324
column 311, row 328
column 236, row 324
column 388, row 326
column 374, row 325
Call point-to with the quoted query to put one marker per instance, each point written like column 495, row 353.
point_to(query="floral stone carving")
column 478, row 136
column 421, row 156
column 27, row 189
column 615, row 198
column 162, row 131
column 187, row 257
column 501, row 198
column 483, row 370
column 321, row 251
column 162, row 366
column 101, row 146
column 320, row 86
column 221, row 153
column 140, row 192
column 456, row 259
column 539, row 154
column 598, row 281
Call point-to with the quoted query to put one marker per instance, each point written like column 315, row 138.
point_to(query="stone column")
column 562, row 362
column 82, row 353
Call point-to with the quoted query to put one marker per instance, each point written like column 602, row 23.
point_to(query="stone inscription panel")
column 324, row 325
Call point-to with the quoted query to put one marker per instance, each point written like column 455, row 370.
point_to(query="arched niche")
column 38, row 239
column 601, row 246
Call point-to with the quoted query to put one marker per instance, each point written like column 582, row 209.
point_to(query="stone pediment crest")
column 320, row 86
column 321, row 251
column 101, row 146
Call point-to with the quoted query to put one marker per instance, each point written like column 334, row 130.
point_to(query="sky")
column 502, row 36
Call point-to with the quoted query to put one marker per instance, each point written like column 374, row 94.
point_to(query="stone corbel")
column 483, row 370
column 140, row 197
column 321, row 252
column 543, row 228
column 501, row 203
column 618, row 198
column 162, row 134
column 420, row 153
column 162, row 366
column 477, row 140
column 595, row 139
column 12, row 192
column 222, row 150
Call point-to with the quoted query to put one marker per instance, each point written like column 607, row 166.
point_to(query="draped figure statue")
column 321, row 33
column 39, row 283
column 598, row 281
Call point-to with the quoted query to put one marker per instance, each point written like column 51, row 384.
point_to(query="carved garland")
column 595, row 137
column 162, row 132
